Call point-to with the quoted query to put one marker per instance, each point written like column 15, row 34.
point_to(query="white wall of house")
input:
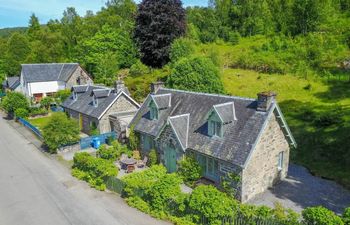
column 43, row 87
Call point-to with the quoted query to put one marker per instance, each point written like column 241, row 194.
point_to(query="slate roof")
column 162, row 101
column 180, row 125
column 84, row 102
column 48, row 72
column 226, row 111
column 11, row 83
column 239, row 135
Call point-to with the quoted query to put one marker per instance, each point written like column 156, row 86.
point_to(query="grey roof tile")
column 11, row 82
column 226, row 112
column 239, row 135
column 180, row 124
column 162, row 101
column 48, row 71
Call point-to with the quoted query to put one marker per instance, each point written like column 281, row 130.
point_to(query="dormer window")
column 153, row 113
column 215, row 128
column 94, row 101
column 75, row 95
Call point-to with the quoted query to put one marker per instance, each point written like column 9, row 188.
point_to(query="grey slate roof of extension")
column 48, row 72
column 239, row 135
column 11, row 82
column 101, row 93
column 83, row 104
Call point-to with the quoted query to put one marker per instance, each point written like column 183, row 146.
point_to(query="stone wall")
column 78, row 73
column 122, row 104
column 262, row 170
column 165, row 138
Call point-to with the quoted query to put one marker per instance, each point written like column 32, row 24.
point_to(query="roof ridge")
column 209, row 94
column 30, row 64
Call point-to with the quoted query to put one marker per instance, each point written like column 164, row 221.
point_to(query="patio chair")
column 130, row 169
column 142, row 163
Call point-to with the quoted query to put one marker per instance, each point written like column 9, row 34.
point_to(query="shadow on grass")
column 323, row 135
column 338, row 90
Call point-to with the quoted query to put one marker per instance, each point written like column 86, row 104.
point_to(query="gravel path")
column 301, row 190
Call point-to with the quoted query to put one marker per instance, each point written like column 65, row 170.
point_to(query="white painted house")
column 41, row 80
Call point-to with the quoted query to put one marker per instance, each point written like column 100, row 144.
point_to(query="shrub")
column 164, row 190
column 320, row 216
column 23, row 113
column 189, row 169
column 93, row 170
column 38, row 111
column 121, row 149
column 133, row 139
column 62, row 95
column 13, row 101
column 196, row 74
column 108, row 153
column 138, row 69
column 181, row 48
column 60, row 131
column 234, row 37
column 46, row 102
column 209, row 203
column 152, row 158
column 346, row 216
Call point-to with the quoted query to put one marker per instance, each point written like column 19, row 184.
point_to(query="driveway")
column 301, row 190
column 35, row 189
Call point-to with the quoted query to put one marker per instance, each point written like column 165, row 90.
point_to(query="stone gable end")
column 262, row 170
column 122, row 104
column 78, row 73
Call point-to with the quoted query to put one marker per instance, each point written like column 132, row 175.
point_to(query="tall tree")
column 158, row 23
column 71, row 22
column 18, row 48
column 306, row 16
column 34, row 27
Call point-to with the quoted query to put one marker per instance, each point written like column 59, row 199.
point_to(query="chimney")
column 119, row 86
column 265, row 99
column 156, row 86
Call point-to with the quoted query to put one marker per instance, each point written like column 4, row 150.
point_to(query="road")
column 36, row 189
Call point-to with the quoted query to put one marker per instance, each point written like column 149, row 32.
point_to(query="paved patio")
column 301, row 190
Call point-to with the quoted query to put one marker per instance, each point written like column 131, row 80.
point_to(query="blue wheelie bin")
column 96, row 142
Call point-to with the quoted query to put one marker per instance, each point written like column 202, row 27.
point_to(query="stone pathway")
column 301, row 190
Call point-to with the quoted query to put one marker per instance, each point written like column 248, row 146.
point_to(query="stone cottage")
column 101, row 108
column 227, row 135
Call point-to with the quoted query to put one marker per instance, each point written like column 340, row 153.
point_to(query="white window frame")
column 280, row 161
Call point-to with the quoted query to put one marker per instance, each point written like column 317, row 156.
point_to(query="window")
column 215, row 128
column 94, row 101
column 153, row 113
column 280, row 161
column 75, row 96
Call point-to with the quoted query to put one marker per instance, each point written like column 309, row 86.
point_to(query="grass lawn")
column 40, row 122
column 317, row 111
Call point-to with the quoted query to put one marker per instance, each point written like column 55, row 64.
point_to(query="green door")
column 170, row 159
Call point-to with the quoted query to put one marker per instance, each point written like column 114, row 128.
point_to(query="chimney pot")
column 265, row 99
column 156, row 86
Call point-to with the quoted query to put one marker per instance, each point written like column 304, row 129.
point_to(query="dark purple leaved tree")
column 158, row 23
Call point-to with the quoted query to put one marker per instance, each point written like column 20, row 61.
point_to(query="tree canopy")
column 158, row 24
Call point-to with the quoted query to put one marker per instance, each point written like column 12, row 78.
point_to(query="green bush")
column 23, row 113
column 13, row 101
column 62, row 95
column 108, row 153
column 138, row 69
column 38, row 111
column 133, row 139
column 209, row 203
column 181, row 48
column 346, row 216
column 320, row 216
column 60, row 131
column 196, row 74
column 121, row 149
column 93, row 170
column 189, row 169
column 46, row 102
column 234, row 37
column 152, row 158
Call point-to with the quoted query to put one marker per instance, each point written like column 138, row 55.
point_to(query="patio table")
column 127, row 162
